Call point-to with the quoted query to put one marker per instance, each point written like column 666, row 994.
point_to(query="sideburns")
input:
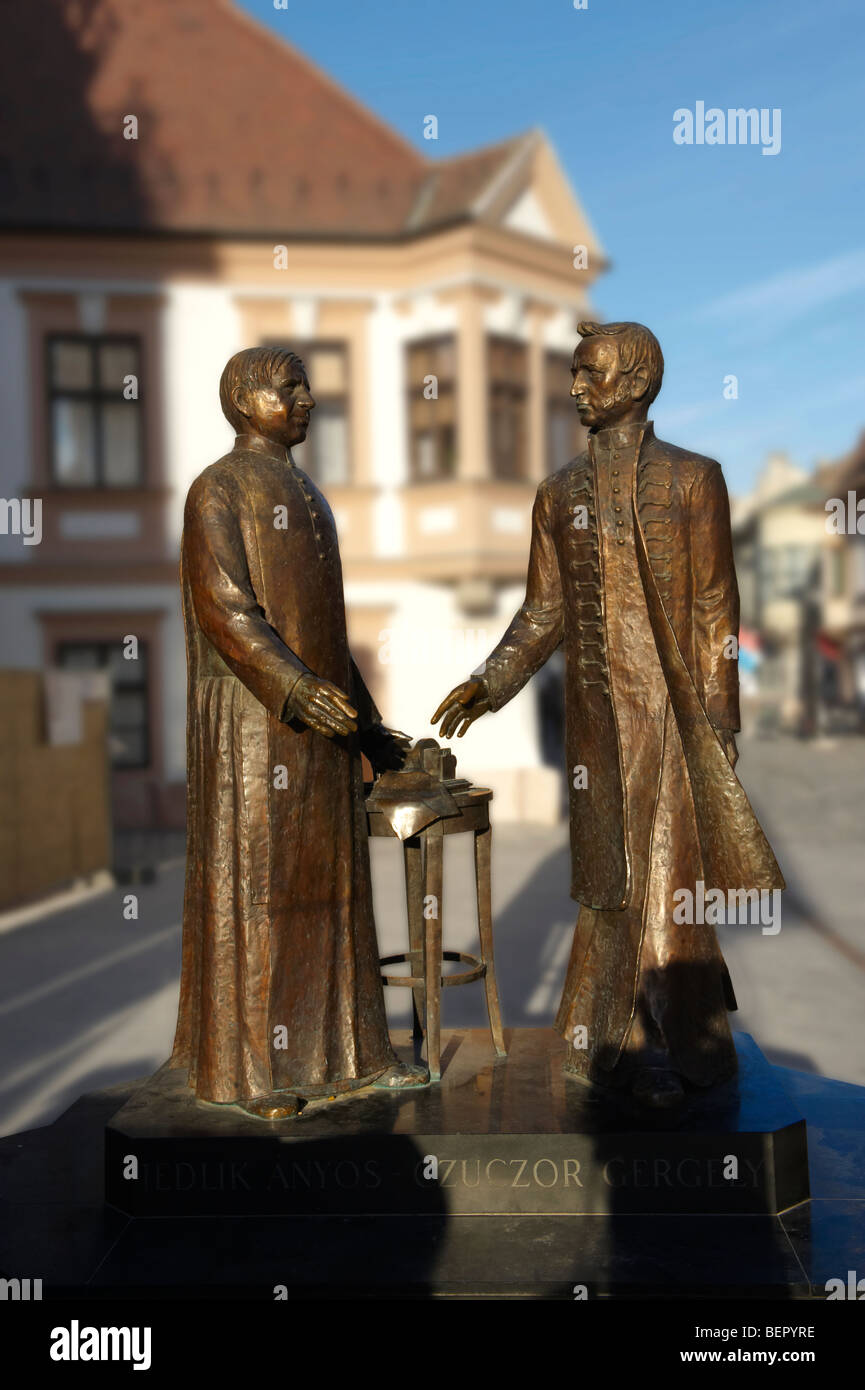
column 618, row 396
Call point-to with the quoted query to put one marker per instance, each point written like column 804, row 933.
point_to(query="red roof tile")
column 237, row 131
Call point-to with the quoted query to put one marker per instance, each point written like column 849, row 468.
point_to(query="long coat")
column 280, row 986
column 631, row 568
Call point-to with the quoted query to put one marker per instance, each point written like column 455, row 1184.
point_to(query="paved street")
column 89, row 998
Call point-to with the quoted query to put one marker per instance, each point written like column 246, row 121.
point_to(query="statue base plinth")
column 56, row 1225
column 496, row 1137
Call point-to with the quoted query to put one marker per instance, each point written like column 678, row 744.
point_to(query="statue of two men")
column 631, row 570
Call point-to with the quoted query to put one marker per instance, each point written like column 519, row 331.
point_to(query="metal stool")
column 423, row 854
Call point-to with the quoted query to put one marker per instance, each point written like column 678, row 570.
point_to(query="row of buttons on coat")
column 616, row 488
column 313, row 514
column 620, row 540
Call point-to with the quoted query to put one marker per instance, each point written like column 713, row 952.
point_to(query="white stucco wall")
column 201, row 330
column 427, row 648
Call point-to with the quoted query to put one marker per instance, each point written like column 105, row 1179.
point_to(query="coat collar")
column 257, row 444
column 623, row 436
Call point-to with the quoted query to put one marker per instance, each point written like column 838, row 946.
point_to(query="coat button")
column 620, row 542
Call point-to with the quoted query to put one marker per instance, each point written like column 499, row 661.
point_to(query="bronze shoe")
column 279, row 1105
column 657, row 1087
column 401, row 1076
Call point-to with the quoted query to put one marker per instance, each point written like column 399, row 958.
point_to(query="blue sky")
column 742, row 263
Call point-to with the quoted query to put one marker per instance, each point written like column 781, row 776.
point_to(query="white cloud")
column 783, row 298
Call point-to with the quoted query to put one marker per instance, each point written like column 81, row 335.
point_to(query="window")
column 788, row 571
column 324, row 454
column 431, row 375
column 128, row 726
column 565, row 434
column 507, row 367
column 95, row 432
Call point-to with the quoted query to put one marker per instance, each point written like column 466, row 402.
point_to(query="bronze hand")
column 323, row 706
column 386, row 748
column 465, row 704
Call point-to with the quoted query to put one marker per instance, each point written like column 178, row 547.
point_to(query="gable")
column 538, row 201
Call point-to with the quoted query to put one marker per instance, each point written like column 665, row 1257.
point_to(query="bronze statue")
column 631, row 567
column 281, row 995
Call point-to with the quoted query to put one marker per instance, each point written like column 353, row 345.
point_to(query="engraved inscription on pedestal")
column 482, row 1148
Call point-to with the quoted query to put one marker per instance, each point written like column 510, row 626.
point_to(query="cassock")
column 631, row 569
column 280, row 985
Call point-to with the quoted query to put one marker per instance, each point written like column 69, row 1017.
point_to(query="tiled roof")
column 457, row 187
column 852, row 467
column 237, row 131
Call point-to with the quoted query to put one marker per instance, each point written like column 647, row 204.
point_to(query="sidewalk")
column 89, row 998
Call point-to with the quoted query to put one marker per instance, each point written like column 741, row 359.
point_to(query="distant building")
column 802, row 591
column 844, row 616
column 182, row 184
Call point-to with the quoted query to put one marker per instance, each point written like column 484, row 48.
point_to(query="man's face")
column 281, row 410
column 603, row 393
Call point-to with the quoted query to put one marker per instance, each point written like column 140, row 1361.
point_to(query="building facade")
column 802, row 588
column 157, row 219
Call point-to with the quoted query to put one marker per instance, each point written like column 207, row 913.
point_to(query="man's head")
column 617, row 371
column 265, row 391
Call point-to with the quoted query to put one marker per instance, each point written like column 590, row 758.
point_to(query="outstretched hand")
column 460, row 709
column 323, row 706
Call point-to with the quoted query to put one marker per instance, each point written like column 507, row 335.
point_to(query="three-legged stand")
column 424, row 864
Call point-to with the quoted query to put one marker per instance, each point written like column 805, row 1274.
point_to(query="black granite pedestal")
column 536, row 1189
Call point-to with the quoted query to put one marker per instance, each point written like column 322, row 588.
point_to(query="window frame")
column 96, row 396
column 414, row 391
column 104, row 645
column 517, row 388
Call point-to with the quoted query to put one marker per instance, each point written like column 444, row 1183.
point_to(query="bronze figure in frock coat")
column 631, row 569
column 281, row 994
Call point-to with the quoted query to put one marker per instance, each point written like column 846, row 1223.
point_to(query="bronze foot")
column 279, row 1105
column 657, row 1087
column 401, row 1076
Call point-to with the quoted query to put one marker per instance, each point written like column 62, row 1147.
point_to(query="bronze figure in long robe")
column 631, row 569
column 281, row 988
